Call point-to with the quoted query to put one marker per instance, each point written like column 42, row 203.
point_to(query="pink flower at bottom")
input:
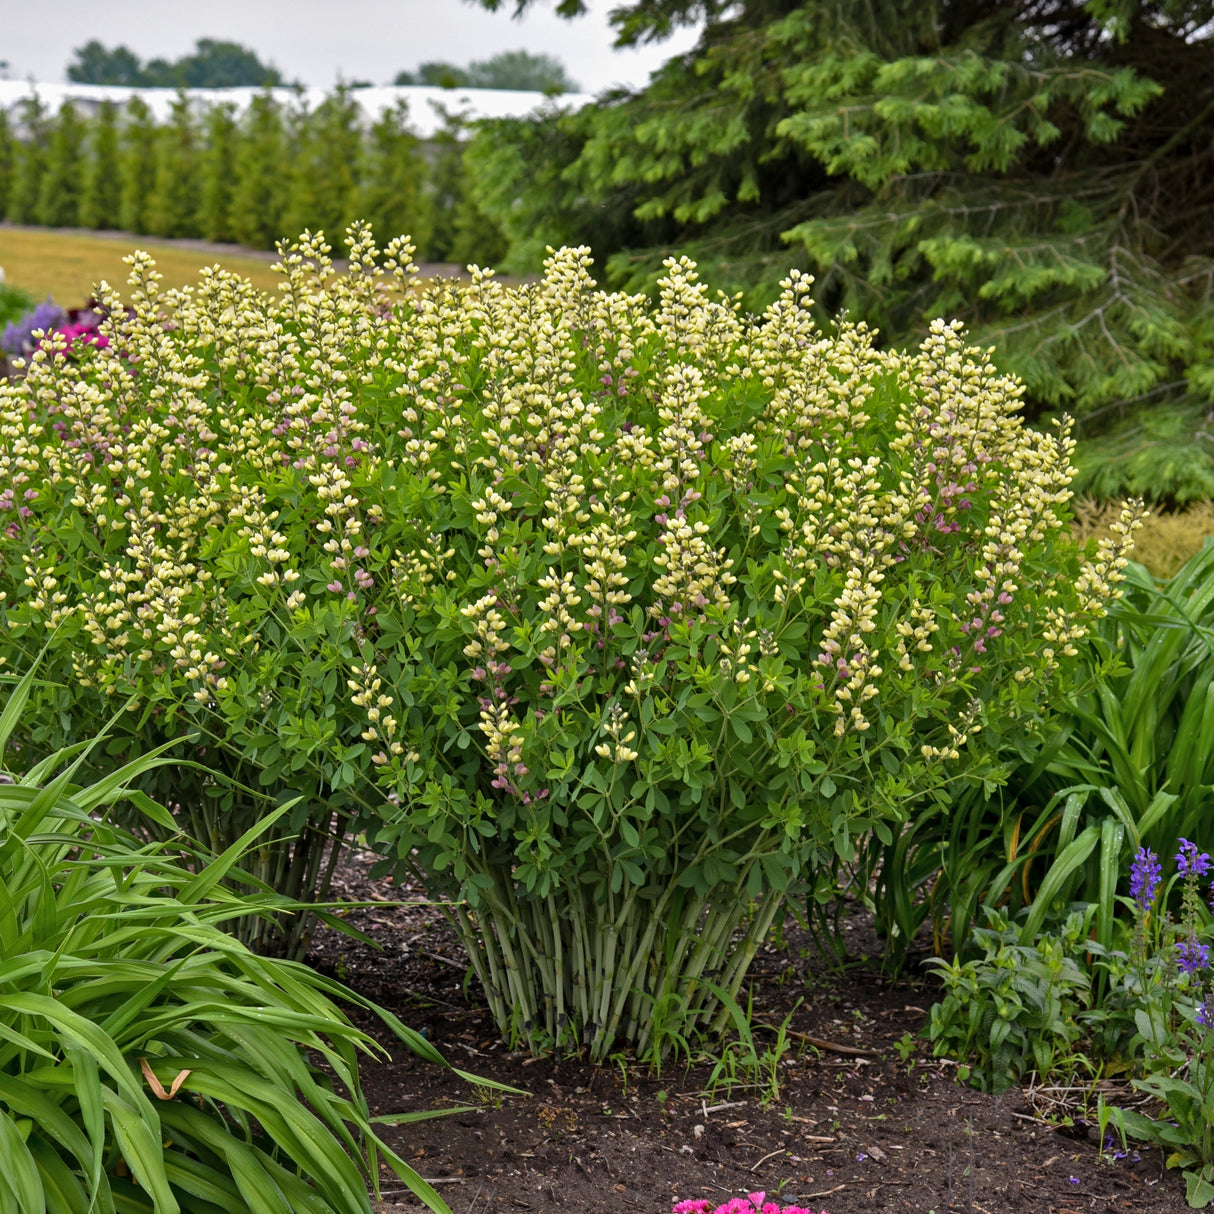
column 752, row 1203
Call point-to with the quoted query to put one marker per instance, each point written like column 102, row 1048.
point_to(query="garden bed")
column 856, row 1127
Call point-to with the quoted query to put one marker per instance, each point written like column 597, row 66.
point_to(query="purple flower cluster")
column 1192, row 956
column 17, row 338
column 1144, row 877
column 1189, row 860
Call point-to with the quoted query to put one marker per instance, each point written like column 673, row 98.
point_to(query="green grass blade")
column 1069, row 859
column 18, row 1172
column 76, row 1030
column 215, row 872
column 1112, row 838
column 138, row 1136
column 17, row 700
column 60, row 1185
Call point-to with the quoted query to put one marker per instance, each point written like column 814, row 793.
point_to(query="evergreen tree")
column 390, row 196
column 1043, row 169
column 218, row 162
column 259, row 176
column 60, row 192
column 173, row 208
column 327, row 148
column 445, row 185
column 8, row 161
column 100, row 201
column 29, row 162
column 136, row 166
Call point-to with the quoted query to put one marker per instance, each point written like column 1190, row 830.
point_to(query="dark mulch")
column 847, row 1132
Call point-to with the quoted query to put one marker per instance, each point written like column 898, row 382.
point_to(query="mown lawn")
column 66, row 265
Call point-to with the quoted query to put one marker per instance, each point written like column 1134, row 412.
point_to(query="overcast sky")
column 315, row 41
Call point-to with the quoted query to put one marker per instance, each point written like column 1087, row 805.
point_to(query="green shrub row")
column 243, row 178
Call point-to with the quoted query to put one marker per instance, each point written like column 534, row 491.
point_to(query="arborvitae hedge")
column 258, row 194
column 8, row 159
column 59, row 191
column 173, row 207
column 391, row 195
column 137, row 167
column 327, row 149
column 247, row 179
column 218, row 160
column 100, row 202
column 29, row 162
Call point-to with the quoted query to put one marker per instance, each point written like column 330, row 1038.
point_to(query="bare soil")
column 854, row 1126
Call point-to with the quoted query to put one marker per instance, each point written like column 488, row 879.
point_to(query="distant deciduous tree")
column 523, row 71
column 213, row 64
column 435, row 75
column 95, row 64
column 515, row 70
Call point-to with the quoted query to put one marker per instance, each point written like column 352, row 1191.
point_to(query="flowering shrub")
column 615, row 621
column 755, row 1203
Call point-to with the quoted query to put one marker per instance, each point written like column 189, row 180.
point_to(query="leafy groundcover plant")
column 148, row 1061
column 617, row 621
column 1174, row 1013
column 1031, row 1007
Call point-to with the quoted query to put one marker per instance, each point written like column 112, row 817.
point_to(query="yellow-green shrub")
column 616, row 621
column 1166, row 540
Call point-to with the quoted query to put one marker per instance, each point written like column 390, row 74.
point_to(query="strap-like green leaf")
column 19, row 1180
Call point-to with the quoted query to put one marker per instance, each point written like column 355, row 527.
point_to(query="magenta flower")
column 752, row 1203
